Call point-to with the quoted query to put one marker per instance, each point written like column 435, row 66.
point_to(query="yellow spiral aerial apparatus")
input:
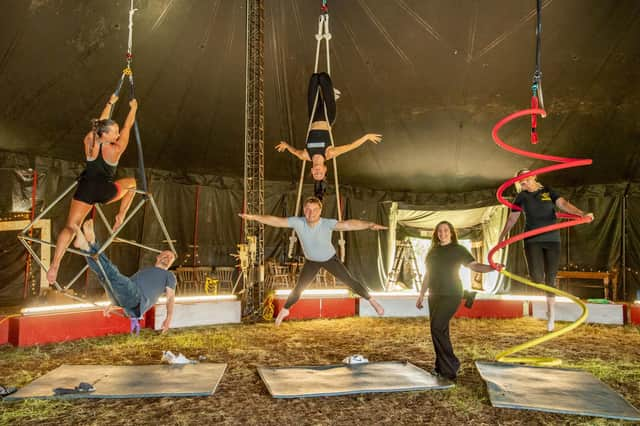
column 572, row 220
column 505, row 356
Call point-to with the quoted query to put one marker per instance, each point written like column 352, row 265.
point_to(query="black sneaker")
column 436, row 373
column 83, row 387
column 6, row 390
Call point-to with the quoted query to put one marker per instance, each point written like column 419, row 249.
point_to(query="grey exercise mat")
column 112, row 381
column 342, row 379
column 553, row 390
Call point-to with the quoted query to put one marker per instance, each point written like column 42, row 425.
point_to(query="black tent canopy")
column 432, row 77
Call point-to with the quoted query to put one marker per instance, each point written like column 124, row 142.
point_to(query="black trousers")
column 543, row 260
column 441, row 310
column 326, row 97
column 335, row 268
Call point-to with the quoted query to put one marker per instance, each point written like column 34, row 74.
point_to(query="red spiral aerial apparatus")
column 563, row 163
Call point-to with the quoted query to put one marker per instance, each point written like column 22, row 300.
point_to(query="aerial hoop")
column 537, row 108
column 573, row 220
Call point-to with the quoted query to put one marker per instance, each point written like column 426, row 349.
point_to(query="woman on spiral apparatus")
column 542, row 252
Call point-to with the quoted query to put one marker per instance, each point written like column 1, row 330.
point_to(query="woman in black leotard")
column 103, row 146
column 318, row 147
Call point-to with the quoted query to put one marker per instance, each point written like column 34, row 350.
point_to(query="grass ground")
column 610, row 353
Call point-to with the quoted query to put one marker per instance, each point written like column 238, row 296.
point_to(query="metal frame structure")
column 26, row 240
column 254, row 154
column 44, row 225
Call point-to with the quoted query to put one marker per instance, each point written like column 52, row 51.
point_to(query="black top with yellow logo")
column 539, row 209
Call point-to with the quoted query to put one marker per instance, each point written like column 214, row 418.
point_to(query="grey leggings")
column 543, row 261
column 335, row 268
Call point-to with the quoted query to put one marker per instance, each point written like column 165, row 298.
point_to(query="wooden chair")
column 330, row 279
column 294, row 269
column 269, row 272
column 225, row 278
column 609, row 281
column 279, row 276
column 191, row 279
column 324, row 279
column 320, row 280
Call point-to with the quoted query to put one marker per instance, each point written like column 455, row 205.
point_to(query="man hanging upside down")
column 315, row 237
column 135, row 294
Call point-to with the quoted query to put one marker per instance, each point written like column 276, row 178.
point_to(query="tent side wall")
column 597, row 246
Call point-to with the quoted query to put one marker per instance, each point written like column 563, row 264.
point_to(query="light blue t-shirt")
column 316, row 241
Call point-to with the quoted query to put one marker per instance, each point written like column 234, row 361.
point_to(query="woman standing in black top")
column 103, row 146
column 442, row 279
column 318, row 147
column 542, row 252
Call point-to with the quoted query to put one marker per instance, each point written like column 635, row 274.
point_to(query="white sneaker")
column 355, row 359
column 168, row 357
column 551, row 320
column 181, row 359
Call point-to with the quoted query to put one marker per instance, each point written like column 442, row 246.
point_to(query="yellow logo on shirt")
column 545, row 196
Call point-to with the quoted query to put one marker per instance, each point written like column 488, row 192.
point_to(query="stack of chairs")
column 191, row 279
column 278, row 276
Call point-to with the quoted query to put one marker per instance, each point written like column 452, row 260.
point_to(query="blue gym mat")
column 112, row 381
column 554, row 390
column 343, row 379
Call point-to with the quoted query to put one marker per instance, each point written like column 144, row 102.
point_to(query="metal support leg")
column 45, row 211
column 162, row 225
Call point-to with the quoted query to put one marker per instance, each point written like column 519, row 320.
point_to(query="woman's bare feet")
column 89, row 233
column 80, row 241
column 377, row 306
column 284, row 312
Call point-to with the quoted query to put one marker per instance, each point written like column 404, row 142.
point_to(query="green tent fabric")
column 597, row 245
